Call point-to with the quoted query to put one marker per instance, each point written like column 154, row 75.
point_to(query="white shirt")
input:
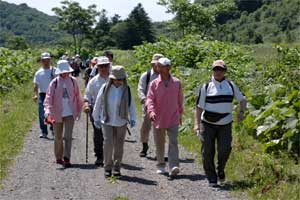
column 114, row 101
column 216, row 88
column 142, row 86
column 93, row 88
column 43, row 78
column 67, row 111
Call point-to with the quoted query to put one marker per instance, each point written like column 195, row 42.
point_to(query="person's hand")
column 132, row 123
column 196, row 128
column 240, row 116
column 180, row 120
column 143, row 101
column 34, row 98
column 86, row 107
column 97, row 124
column 49, row 120
column 152, row 116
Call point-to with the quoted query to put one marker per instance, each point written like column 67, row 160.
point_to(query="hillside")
column 20, row 20
column 258, row 21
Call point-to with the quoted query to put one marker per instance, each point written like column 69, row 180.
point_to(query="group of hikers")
column 110, row 104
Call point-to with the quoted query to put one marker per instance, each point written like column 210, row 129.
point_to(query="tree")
column 76, row 20
column 16, row 43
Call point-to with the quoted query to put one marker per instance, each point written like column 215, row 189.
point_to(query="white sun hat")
column 63, row 66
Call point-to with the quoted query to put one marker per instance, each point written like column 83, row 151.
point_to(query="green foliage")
column 16, row 68
column 16, row 43
column 21, row 20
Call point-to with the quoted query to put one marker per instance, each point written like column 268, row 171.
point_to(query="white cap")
column 103, row 60
column 45, row 55
column 63, row 66
column 164, row 61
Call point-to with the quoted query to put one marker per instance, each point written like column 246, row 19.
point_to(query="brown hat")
column 118, row 72
column 219, row 63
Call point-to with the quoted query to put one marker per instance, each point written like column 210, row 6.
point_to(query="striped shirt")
column 217, row 97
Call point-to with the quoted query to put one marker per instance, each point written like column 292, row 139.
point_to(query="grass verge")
column 17, row 113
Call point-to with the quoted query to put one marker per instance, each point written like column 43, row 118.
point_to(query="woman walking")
column 114, row 108
column 63, row 105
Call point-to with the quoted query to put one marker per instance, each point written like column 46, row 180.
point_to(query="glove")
column 132, row 123
column 97, row 124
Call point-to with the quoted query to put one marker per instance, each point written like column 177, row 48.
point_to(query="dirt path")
column 35, row 175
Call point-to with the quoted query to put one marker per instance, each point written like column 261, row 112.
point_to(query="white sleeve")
column 93, row 72
column 202, row 97
column 142, row 87
column 237, row 93
column 97, row 107
column 36, row 78
column 88, row 92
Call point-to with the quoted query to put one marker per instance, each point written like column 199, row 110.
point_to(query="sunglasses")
column 219, row 69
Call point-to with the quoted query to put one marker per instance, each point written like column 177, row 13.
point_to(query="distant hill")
column 258, row 21
column 20, row 20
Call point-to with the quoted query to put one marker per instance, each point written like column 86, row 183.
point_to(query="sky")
column 120, row 7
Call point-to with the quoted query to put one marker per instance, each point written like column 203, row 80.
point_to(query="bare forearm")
column 243, row 105
column 197, row 117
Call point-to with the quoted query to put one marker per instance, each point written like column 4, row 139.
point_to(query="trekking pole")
column 128, row 130
column 86, row 138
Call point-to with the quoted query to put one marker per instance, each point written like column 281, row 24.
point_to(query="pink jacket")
column 165, row 102
column 54, row 95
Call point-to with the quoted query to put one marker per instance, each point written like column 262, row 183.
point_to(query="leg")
column 69, row 124
column 58, row 140
column 98, row 139
column 108, row 146
column 119, row 139
column 224, row 139
column 173, row 152
column 208, row 152
column 43, row 127
column 159, row 138
column 144, row 133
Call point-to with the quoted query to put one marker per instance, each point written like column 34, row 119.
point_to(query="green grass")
column 17, row 113
column 121, row 198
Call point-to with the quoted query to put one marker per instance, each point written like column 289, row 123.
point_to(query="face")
column 103, row 69
column 118, row 82
column 45, row 62
column 163, row 70
column 219, row 73
column 64, row 75
column 155, row 67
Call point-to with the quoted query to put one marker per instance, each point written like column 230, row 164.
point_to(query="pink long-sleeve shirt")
column 165, row 102
column 53, row 101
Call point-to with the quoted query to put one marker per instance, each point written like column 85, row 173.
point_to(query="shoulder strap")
column 129, row 96
column 55, row 86
column 231, row 85
column 207, row 84
column 199, row 95
column 148, row 78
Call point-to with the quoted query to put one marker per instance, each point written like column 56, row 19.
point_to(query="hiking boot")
column 117, row 173
column 67, row 163
column 174, row 172
column 107, row 173
column 59, row 161
column 221, row 176
column 143, row 153
column 99, row 162
column 161, row 170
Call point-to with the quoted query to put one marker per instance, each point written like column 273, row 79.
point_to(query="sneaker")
column 67, row 163
column 117, row 173
column 174, row 172
column 99, row 162
column 59, row 161
column 143, row 153
column 41, row 135
column 221, row 176
column 107, row 173
column 161, row 170
column 212, row 184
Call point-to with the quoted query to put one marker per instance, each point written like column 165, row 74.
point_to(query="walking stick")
column 86, row 138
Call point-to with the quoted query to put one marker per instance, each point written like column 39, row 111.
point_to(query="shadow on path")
column 137, row 180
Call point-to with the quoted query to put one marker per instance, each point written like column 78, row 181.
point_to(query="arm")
column 200, row 105
column 49, row 100
column 97, row 107
column 142, row 89
column 88, row 97
column 242, row 101
column 79, row 102
column 197, row 118
column 180, row 103
column 150, row 102
column 35, row 91
column 132, row 111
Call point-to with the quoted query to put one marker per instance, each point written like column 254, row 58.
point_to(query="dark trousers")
column 43, row 127
column 223, row 136
column 98, row 139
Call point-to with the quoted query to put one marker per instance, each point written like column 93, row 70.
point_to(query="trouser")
column 41, row 111
column 145, row 128
column 173, row 152
column 98, row 138
column 114, row 138
column 63, row 148
column 223, row 135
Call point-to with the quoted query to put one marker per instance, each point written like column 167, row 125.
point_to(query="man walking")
column 91, row 93
column 143, row 86
column 214, row 110
column 165, row 108
column 42, row 79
